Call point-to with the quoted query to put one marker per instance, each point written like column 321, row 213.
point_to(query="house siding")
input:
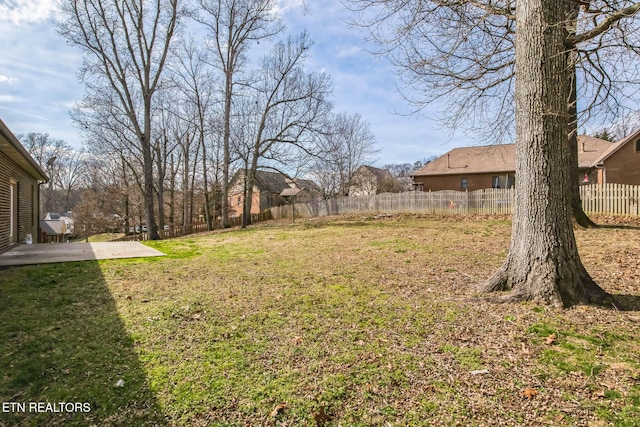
column 27, row 202
column 452, row 182
column 235, row 208
column 368, row 181
column 364, row 183
column 623, row 167
column 266, row 192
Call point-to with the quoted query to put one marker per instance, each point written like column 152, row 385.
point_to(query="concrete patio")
column 66, row 252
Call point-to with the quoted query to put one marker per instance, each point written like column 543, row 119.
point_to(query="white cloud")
column 26, row 11
column 282, row 6
column 8, row 98
column 7, row 79
column 351, row 51
column 22, row 113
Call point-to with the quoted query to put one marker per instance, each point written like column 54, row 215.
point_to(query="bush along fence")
column 198, row 227
column 610, row 199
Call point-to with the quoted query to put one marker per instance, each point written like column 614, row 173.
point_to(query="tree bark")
column 205, row 178
column 579, row 215
column 228, row 96
column 543, row 262
column 145, row 143
column 186, row 200
column 162, row 171
column 250, row 179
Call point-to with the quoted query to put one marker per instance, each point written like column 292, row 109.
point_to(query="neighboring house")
column 369, row 181
column 619, row 164
column 270, row 189
column 493, row 166
column 64, row 217
column 53, row 231
column 20, row 177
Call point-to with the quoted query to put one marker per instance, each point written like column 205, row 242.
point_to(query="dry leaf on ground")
column 278, row 409
column 321, row 417
column 551, row 339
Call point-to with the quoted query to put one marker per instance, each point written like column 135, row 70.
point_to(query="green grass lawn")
column 338, row 322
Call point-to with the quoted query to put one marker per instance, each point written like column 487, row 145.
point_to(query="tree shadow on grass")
column 628, row 302
column 62, row 340
column 621, row 226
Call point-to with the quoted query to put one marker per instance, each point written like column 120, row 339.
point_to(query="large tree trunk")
column 543, row 262
column 172, row 191
column 186, row 201
column 147, row 165
column 162, row 170
column 579, row 215
column 250, row 179
column 205, row 178
column 226, row 137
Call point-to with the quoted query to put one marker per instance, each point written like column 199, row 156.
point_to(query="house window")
column 638, row 146
column 464, row 183
column 239, row 201
column 503, row 181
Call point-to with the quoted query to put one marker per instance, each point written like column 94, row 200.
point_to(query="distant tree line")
column 178, row 100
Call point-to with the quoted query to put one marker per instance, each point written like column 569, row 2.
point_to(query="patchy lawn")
column 358, row 321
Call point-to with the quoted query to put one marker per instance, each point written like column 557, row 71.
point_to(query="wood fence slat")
column 609, row 199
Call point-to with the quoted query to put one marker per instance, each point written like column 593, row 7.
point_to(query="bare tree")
column 234, row 25
column 63, row 165
column 598, row 37
column 347, row 144
column 184, row 169
column 126, row 44
column 543, row 261
column 70, row 178
column 194, row 80
column 164, row 145
column 107, row 199
column 622, row 128
column 462, row 52
column 291, row 105
column 109, row 136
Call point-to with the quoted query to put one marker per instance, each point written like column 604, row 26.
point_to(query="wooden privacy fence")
column 197, row 227
column 489, row 201
column 610, row 199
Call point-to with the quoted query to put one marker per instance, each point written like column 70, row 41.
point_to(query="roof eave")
column 17, row 153
column 618, row 145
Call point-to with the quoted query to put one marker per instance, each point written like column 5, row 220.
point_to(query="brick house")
column 269, row 191
column 619, row 164
column 20, row 177
column 493, row 166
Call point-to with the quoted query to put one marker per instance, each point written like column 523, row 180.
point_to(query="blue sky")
column 38, row 78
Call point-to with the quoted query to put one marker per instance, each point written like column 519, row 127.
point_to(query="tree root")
column 584, row 291
column 581, row 218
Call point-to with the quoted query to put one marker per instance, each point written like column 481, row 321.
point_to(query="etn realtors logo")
column 43, row 407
